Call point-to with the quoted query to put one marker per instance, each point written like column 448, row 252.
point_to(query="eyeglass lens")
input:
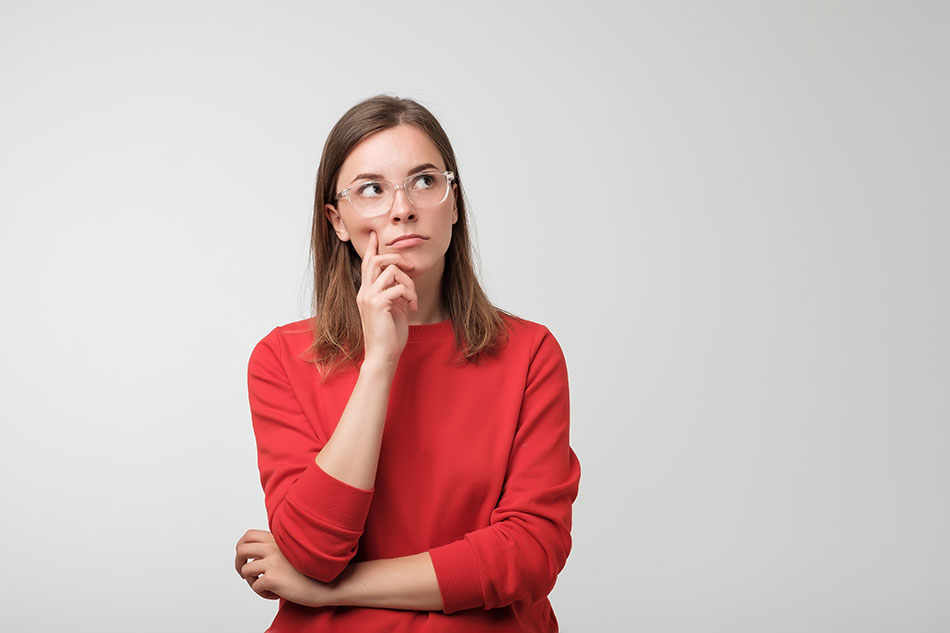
column 424, row 190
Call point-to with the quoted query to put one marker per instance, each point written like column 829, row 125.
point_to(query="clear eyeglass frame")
column 391, row 193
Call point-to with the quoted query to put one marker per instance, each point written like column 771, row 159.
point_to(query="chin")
column 420, row 269
column 424, row 264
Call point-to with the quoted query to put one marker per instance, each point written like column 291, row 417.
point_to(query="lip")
column 412, row 237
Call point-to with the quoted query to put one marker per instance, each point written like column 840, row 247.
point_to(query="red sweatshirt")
column 475, row 468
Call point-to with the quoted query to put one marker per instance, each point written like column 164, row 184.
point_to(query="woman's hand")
column 386, row 295
column 271, row 576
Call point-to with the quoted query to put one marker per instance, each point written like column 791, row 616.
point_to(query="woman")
column 412, row 438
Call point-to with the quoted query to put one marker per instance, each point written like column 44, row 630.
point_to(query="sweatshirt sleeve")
column 315, row 518
column 519, row 555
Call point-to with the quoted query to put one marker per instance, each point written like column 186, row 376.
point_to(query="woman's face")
column 393, row 155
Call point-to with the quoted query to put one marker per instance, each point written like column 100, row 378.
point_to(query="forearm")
column 408, row 582
column 352, row 452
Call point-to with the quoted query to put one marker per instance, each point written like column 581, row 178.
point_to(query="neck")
column 428, row 285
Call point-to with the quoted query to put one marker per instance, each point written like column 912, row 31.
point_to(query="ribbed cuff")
column 456, row 569
column 332, row 501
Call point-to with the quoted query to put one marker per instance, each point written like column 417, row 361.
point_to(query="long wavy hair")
column 336, row 324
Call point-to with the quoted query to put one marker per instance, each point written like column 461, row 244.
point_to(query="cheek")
column 443, row 238
column 359, row 230
column 450, row 223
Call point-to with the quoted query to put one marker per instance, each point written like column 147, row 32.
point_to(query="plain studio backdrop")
column 733, row 217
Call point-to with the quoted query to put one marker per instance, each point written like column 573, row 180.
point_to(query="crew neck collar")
column 431, row 330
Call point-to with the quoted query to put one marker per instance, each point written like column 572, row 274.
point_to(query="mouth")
column 410, row 236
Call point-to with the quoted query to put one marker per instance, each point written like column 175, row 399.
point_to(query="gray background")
column 733, row 216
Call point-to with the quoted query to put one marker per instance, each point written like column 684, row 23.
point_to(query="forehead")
column 391, row 153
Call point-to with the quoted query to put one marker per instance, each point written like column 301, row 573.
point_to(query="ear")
column 455, row 203
column 333, row 215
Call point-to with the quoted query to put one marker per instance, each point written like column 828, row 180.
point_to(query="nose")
column 402, row 209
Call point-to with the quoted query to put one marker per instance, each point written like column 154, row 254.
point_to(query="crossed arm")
column 408, row 582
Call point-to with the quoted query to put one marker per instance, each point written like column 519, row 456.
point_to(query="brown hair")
column 336, row 324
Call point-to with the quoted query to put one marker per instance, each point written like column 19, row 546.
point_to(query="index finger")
column 250, row 551
column 255, row 536
column 372, row 248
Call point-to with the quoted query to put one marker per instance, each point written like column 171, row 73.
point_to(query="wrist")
column 339, row 591
column 377, row 366
column 319, row 594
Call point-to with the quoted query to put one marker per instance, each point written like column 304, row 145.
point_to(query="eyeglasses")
column 375, row 197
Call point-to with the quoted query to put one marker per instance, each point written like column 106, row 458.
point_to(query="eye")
column 423, row 181
column 369, row 190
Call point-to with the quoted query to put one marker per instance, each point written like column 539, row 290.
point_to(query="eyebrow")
column 414, row 170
